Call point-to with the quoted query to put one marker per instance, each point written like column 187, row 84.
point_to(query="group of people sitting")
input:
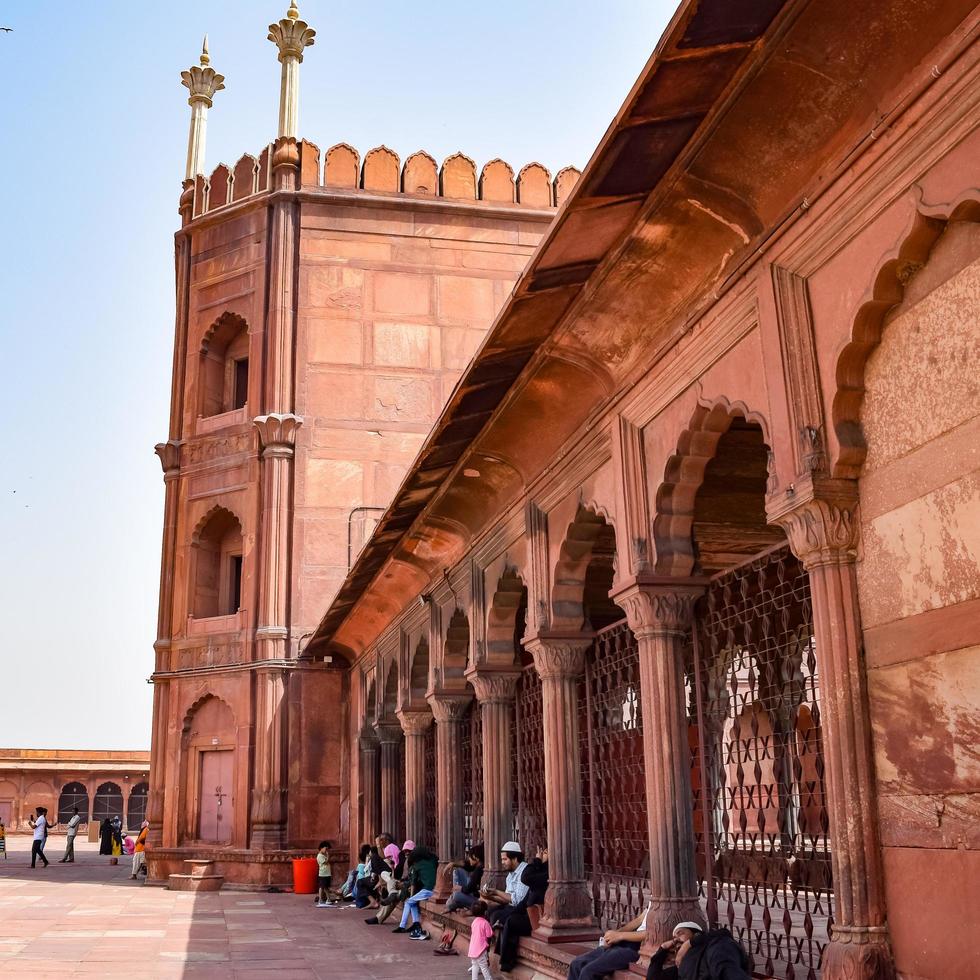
column 388, row 875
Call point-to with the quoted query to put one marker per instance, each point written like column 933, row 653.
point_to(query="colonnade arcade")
column 661, row 733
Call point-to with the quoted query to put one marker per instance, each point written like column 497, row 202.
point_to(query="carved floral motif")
column 448, row 707
column 210, row 449
column 169, row 453
column 558, row 657
column 415, row 722
column 277, row 433
column 291, row 35
column 496, row 687
column 658, row 608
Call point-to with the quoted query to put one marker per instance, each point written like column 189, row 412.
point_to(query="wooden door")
column 217, row 800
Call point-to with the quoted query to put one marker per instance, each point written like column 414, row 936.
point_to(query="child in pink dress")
column 481, row 933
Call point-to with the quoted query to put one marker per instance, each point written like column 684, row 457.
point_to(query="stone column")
column 414, row 725
column 560, row 661
column 290, row 36
column 448, row 711
column 661, row 616
column 202, row 82
column 496, row 692
column 369, row 787
column 389, row 737
column 821, row 523
column 277, row 440
column 169, row 453
column 268, row 817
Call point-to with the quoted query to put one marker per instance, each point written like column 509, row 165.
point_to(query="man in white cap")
column 693, row 954
column 512, row 861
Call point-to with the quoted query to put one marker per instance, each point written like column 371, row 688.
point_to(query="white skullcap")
column 512, row 845
column 689, row 925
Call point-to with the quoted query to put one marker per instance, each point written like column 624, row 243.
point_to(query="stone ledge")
column 535, row 959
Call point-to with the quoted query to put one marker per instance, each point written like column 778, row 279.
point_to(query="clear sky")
column 93, row 132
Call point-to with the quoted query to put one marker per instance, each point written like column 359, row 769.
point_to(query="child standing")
column 480, row 934
column 324, row 876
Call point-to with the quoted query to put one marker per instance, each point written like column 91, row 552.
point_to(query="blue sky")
column 93, row 125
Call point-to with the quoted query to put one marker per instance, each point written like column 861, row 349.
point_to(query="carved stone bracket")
column 448, row 707
column 558, row 655
column 819, row 516
column 659, row 605
column 169, row 453
column 277, row 434
column 415, row 722
column 494, row 686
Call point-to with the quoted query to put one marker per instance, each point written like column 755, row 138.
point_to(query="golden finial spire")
column 293, row 12
column 205, row 57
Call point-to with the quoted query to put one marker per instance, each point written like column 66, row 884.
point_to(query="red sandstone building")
column 684, row 581
column 101, row 784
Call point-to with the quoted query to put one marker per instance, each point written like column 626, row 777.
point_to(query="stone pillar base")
column 444, row 882
column 844, row 960
column 567, row 915
column 267, row 837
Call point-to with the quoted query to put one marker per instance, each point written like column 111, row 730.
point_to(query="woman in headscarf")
column 105, row 837
column 139, row 854
column 117, row 842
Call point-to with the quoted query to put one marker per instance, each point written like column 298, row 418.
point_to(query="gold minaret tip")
column 293, row 12
column 205, row 57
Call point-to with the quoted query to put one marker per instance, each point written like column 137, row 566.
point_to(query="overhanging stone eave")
column 371, row 561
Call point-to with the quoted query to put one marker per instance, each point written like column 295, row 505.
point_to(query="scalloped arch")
column 885, row 293
column 212, row 512
column 389, row 700
column 534, row 186
column 457, row 179
column 199, row 703
column 341, row 166
column 683, row 475
column 575, row 555
column 418, row 674
column 456, row 651
column 223, row 330
column 505, row 606
column 381, row 170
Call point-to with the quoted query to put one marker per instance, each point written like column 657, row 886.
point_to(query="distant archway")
column 108, row 802
column 136, row 810
column 72, row 795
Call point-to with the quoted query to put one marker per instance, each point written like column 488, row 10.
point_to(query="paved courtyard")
column 91, row 919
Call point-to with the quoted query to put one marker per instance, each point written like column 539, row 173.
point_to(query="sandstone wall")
column 919, row 583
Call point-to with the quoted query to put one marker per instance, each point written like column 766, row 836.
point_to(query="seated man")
column 468, row 877
column 699, row 955
column 619, row 948
column 526, row 884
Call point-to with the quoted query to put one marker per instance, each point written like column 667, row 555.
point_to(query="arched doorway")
column 763, row 851
column 72, row 795
column 108, row 802
column 209, row 772
column 136, row 811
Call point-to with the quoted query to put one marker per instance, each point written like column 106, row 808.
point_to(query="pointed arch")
column 217, row 565
column 584, row 572
column 885, row 293
column 505, row 619
column 223, row 366
column 210, row 707
column 683, row 477
column 418, row 674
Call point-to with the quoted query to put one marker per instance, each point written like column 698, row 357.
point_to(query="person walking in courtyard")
column 139, row 850
column 73, row 823
column 481, row 932
column 617, row 949
column 40, row 827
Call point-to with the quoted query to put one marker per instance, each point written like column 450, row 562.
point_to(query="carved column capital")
column 388, row 733
column 659, row 605
column 448, row 707
column 820, row 519
column 494, row 686
column 277, row 433
column 367, row 743
column 169, row 453
column 414, row 722
column 558, row 655
column 202, row 81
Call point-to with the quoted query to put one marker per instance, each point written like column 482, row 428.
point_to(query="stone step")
column 195, row 882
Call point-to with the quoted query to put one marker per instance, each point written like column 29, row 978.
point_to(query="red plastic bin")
column 304, row 876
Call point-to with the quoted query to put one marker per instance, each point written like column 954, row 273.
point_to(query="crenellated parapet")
column 382, row 172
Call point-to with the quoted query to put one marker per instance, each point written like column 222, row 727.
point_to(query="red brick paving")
column 90, row 919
